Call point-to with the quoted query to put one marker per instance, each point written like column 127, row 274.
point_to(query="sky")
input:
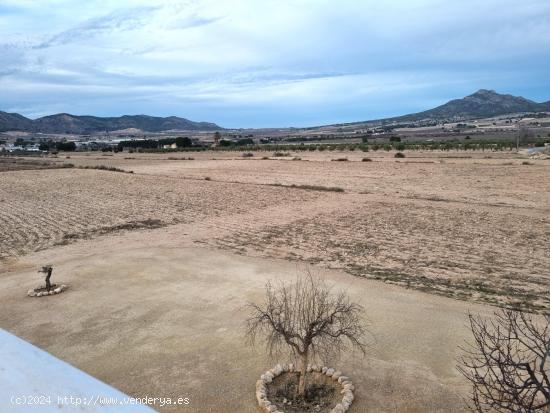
column 267, row 63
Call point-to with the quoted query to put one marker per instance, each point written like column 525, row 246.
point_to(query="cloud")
column 268, row 62
column 117, row 21
column 194, row 20
column 13, row 58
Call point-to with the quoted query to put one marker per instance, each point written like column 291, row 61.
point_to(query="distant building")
column 10, row 147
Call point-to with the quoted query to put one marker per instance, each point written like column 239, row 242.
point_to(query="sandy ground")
column 461, row 225
column 167, row 321
column 160, row 263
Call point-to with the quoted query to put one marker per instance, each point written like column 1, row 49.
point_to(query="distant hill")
column 14, row 121
column 482, row 104
column 66, row 123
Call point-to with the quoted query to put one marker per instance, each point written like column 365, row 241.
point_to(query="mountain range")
column 65, row 123
column 481, row 104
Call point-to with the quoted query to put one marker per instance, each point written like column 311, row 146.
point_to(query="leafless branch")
column 307, row 320
column 506, row 364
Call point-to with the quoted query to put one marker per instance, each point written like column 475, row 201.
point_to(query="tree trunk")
column 303, row 367
column 49, row 274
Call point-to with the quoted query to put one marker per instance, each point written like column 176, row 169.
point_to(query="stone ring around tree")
column 42, row 292
column 345, row 383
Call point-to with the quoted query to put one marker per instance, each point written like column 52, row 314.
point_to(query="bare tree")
column 47, row 269
column 506, row 364
column 308, row 321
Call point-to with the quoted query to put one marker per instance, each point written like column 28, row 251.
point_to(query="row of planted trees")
column 365, row 147
column 186, row 146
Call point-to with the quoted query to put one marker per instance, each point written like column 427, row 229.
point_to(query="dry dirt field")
column 468, row 227
column 21, row 164
column 161, row 261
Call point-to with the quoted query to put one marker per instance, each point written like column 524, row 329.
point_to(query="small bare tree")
column 47, row 269
column 507, row 363
column 306, row 320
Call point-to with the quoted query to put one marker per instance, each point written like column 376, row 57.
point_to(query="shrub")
column 245, row 141
column 399, row 155
column 65, row 146
column 340, row 159
column 366, row 160
column 319, row 188
column 104, row 168
column 281, row 154
column 225, row 143
column 183, row 142
column 248, row 155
